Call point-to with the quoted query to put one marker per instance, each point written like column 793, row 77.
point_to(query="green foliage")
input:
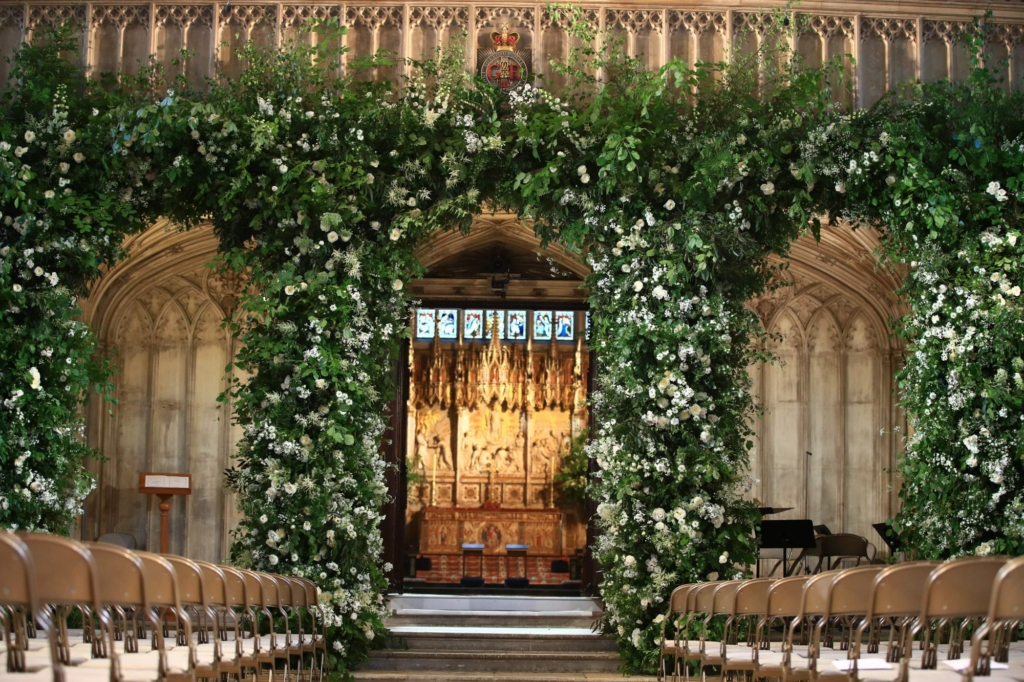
column 65, row 206
column 571, row 479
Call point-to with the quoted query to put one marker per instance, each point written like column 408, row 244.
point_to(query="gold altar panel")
column 445, row 530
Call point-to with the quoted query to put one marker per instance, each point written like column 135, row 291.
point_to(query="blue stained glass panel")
column 541, row 325
column 564, row 322
column 425, row 321
column 517, row 324
column 448, row 324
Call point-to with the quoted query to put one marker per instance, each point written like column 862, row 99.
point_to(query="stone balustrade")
column 889, row 42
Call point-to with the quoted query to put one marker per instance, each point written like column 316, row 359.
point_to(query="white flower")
column 841, row 187
column 695, row 410
column 658, row 514
column 369, row 178
column 19, row 151
column 410, row 202
column 5, row 146
column 629, row 560
column 396, row 234
column 582, row 170
column 585, row 178
column 273, row 559
column 332, row 236
column 724, row 559
column 263, row 518
column 69, row 135
column 289, row 290
column 37, row 383
column 971, row 443
column 638, row 285
column 397, row 285
column 768, row 188
column 310, row 114
column 49, row 194
column 891, row 180
column 705, row 436
column 306, row 525
column 17, row 288
column 30, row 136
column 65, row 166
column 670, row 204
column 283, row 168
column 660, row 293
column 713, row 576
column 38, row 272
column 290, row 488
column 741, row 139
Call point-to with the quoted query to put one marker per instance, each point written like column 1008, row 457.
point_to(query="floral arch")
column 677, row 186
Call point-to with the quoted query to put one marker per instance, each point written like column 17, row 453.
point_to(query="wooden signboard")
column 165, row 486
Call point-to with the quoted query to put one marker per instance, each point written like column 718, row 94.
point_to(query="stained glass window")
column 564, row 322
column 473, row 324
column 541, row 325
column 493, row 315
column 448, row 324
column 425, row 323
column 516, row 324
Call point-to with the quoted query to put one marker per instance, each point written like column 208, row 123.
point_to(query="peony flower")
column 629, row 560
column 669, row 205
column 273, row 559
column 768, row 188
column 69, row 135
column 397, row 285
column 30, row 136
column 289, row 290
column 582, row 170
column 332, row 236
column 695, row 410
column 19, row 151
column 396, row 234
column 585, row 178
column 638, row 285
column 658, row 514
column 79, row 157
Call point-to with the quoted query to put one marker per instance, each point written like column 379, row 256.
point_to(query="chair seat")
column 680, row 644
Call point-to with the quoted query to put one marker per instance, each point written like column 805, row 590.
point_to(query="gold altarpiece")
column 489, row 423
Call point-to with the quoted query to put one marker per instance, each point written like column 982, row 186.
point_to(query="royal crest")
column 504, row 67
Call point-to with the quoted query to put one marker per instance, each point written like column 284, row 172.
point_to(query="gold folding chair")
column 676, row 605
column 703, row 598
column 17, row 598
column 784, row 599
column 318, row 642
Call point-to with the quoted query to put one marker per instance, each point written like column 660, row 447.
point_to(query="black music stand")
column 787, row 535
column 890, row 537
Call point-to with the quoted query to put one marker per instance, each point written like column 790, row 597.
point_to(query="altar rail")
column 914, row 41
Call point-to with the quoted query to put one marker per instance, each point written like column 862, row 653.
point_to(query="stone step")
column 499, row 639
column 376, row 676
column 488, row 618
column 507, row 662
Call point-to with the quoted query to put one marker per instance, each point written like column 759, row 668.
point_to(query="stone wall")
column 890, row 42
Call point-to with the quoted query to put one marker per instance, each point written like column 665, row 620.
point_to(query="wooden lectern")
column 165, row 486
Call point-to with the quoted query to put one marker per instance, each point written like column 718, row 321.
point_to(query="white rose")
column 397, row 285
column 658, row 514
column 629, row 560
column 30, row 136
column 638, row 285
column 273, row 559
column 283, row 168
column 585, row 178
column 65, row 167
column 891, row 180
column 69, row 135
column 332, row 236
column 768, row 188
column 582, row 170
column 17, row 288
column 396, row 234
column 289, row 290
column 713, row 576
column 841, row 187
column 669, row 205
column 369, row 178
column 263, row 518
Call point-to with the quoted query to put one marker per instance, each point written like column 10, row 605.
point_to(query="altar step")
column 498, row 639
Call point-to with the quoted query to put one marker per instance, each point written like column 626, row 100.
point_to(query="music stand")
column 890, row 536
column 765, row 511
column 787, row 535
column 822, row 530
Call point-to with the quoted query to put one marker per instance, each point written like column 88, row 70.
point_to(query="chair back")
column 851, row 589
column 785, row 596
column 752, row 597
column 121, row 575
column 299, row 599
column 253, row 589
column 723, row 600
column 118, row 539
column 814, row 600
column 18, row 587
column 215, row 587
column 704, row 597
column 961, row 588
column 271, row 591
column 844, row 546
column 677, row 600
column 897, row 590
column 65, row 571
column 234, row 586
column 190, row 581
column 161, row 584
column 1008, row 593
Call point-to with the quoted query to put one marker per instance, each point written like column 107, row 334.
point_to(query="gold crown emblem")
column 503, row 40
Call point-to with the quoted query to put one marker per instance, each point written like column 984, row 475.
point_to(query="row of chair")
column 202, row 620
column 807, row 628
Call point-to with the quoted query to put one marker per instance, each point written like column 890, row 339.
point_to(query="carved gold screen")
column 496, row 398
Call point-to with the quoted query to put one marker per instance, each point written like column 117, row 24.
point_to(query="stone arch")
column 834, row 398
column 158, row 315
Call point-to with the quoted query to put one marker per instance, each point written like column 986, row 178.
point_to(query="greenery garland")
column 676, row 186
